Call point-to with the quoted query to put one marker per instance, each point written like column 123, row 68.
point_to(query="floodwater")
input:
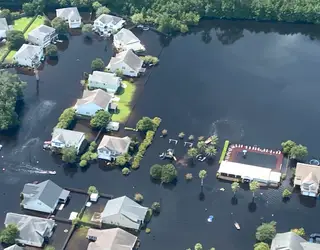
column 251, row 83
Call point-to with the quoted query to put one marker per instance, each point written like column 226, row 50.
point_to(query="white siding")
column 37, row 205
column 88, row 109
column 124, row 68
column 26, row 61
column 105, row 86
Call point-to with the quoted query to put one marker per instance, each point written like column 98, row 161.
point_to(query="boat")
column 1, row 146
column 236, row 224
column 52, row 172
column 209, row 140
column 145, row 28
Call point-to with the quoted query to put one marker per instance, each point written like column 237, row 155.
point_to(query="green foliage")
column 125, row 171
column 102, row 10
column 224, row 151
column 148, row 230
column 11, row 89
column 92, row 190
column 192, row 152
column 97, row 64
column 287, row 146
column 138, row 197
column 96, row 5
column 235, row 186
column 119, row 73
column 298, row 152
column 181, row 135
column 76, row 221
column 49, row 247
column 100, row 119
column 156, row 171
column 83, row 163
column 38, row 6
column 47, row 22
column 5, row 13
column 299, row 231
column 202, row 174
column 28, row 9
column 87, row 29
column 148, row 215
column 254, row 185
column 169, row 173
column 191, row 137
column 60, row 25
column 156, row 207
column 150, row 59
column 137, row 18
column 188, row 176
column 69, row 154
column 9, row 234
column 164, row 132
column 261, row 246
column 198, row 246
column 201, row 145
column 122, row 160
column 266, row 232
column 210, row 151
column 15, row 39
column 52, row 50
column 66, row 118
column 283, row 177
column 286, row 193
column 145, row 124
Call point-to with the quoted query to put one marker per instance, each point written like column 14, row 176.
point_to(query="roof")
column 126, row 37
column 31, row 229
column 104, row 77
column 106, row 19
column 292, row 241
column 68, row 137
column 47, row 192
column 68, row 13
column 3, row 24
column 97, row 96
column 129, row 58
column 41, row 31
column 303, row 170
column 117, row 144
column 126, row 207
column 28, row 50
column 111, row 239
column 14, row 247
column 249, row 171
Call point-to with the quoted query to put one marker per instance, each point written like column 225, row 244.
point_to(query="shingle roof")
column 129, row 58
column 68, row 137
column 14, row 247
column 68, row 13
column 98, row 96
column 3, row 24
column 111, row 239
column 41, row 31
column 106, row 19
column 117, row 144
column 292, row 241
column 104, row 77
column 303, row 170
column 126, row 37
column 28, row 51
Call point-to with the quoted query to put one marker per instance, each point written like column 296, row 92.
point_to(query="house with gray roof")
column 43, row 197
column 124, row 212
column 14, row 247
column 33, row 231
column 125, row 40
column 71, row 15
column 29, row 55
column 3, row 28
column 111, row 147
column 108, row 24
column 103, row 80
column 42, row 35
column 292, row 241
column 127, row 62
column 62, row 138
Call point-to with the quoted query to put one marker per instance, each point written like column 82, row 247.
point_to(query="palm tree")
column 214, row 140
column 202, row 175
column 235, row 186
column 254, row 185
column 211, row 151
column 201, row 145
column 192, row 153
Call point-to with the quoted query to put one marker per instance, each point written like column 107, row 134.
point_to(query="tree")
column 125, row 171
column 15, row 39
column 9, row 234
column 254, row 185
column 235, row 186
column 201, row 145
column 83, row 163
column 298, row 152
column 261, row 246
column 202, row 175
column 97, row 64
column 87, row 29
column 155, row 207
column 28, row 9
column 286, row 193
column 168, row 173
column 38, row 6
column 155, row 171
column 69, row 154
column 92, row 190
column 96, row 5
column 299, row 231
column 138, row 197
column 145, row 124
column 102, row 10
column 192, row 153
column 137, row 18
column 47, row 22
column 60, row 25
column 214, row 140
column 52, row 50
column 211, row 151
column 266, row 232
column 287, row 146
column 100, row 119
column 5, row 13
column 122, row 160
column 198, row 246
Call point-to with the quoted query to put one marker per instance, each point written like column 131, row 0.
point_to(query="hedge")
column 224, row 151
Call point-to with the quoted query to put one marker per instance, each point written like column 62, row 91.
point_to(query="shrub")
column 299, row 231
column 9, row 234
column 156, row 122
column 125, row 171
column 15, row 39
column 188, row 176
column 150, row 59
column 181, row 135
column 164, row 132
column 155, row 171
column 83, row 163
column 191, row 137
column 201, row 138
column 52, row 50
column 283, row 177
column 169, row 173
column 156, row 207
column 266, row 232
column 66, row 118
column 92, row 190
column 224, row 151
column 286, row 193
column 148, row 230
column 97, row 64
column 138, row 197
column 148, row 215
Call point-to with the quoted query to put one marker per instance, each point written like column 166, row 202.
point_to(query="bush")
column 15, row 39
column 28, row 9
column 69, row 154
column 150, row 59
column 149, row 214
column 188, row 176
column 156, row 207
column 125, row 171
column 148, row 230
column 66, row 118
column 97, row 64
column 286, row 193
column 9, row 234
column 191, row 137
column 169, row 173
column 83, row 163
column 138, row 197
column 283, row 177
column 92, row 190
column 266, row 232
column 52, row 50
column 299, row 231
column 155, row 171
column 224, row 151
column 181, row 135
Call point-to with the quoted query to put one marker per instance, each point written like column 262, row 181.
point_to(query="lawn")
column 36, row 23
column 3, row 50
column 124, row 105
column 21, row 23
column 10, row 56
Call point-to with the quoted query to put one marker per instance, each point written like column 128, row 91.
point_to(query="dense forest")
column 169, row 15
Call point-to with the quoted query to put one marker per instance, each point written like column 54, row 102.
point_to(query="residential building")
column 110, row 147
column 103, row 80
column 29, row 55
column 3, row 28
column 108, row 24
column 42, row 35
column 70, row 15
column 307, row 176
column 33, row 231
column 113, row 239
column 292, row 241
column 14, row 247
column 234, row 171
column 125, row 40
column 124, row 212
column 127, row 62
column 62, row 138
column 43, row 197
column 92, row 101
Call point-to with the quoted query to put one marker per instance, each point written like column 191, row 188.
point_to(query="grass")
column 86, row 217
column 21, row 23
column 124, row 105
column 3, row 49
column 9, row 57
column 36, row 23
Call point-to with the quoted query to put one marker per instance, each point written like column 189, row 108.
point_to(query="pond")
column 251, row 83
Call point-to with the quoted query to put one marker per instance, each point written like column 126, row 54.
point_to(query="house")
column 33, row 231
column 292, row 241
column 307, row 176
column 29, row 55
column 125, row 40
column 43, row 197
column 127, row 62
column 234, row 171
column 42, row 35
column 62, row 138
column 3, row 28
column 110, row 147
column 124, row 212
column 14, row 247
column 107, row 24
column 70, row 15
column 92, row 101
column 103, row 80
column 113, row 239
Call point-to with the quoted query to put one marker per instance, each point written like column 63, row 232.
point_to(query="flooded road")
column 254, row 83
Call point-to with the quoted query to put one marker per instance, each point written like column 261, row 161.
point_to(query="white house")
column 70, row 15
column 128, row 62
column 108, row 24
column 103, row 80
column 292, row 241
column 3, row 28
column 125, row 40
column 307, row 176
column 32, row 230
column 110, row 147
column 29, row 55
column 124, row 212
column 14, row 247
column 43, row 197
column 42, row 35
column 92, row 101
column 62, row 138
